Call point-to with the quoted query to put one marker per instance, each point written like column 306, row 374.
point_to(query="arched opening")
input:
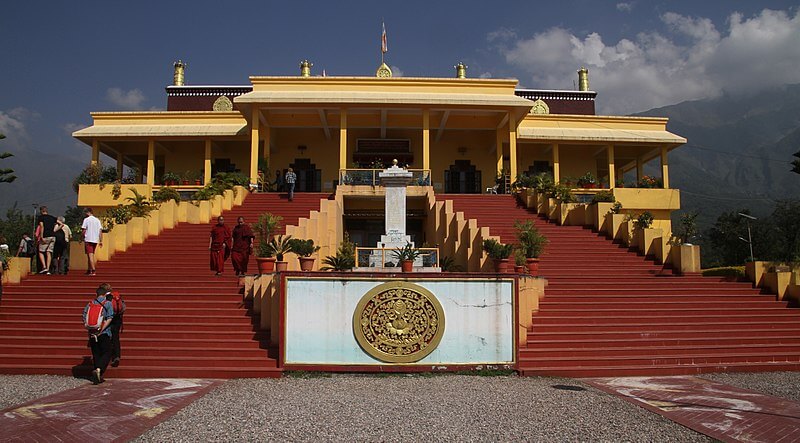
column 462, row 178
column 309, row 178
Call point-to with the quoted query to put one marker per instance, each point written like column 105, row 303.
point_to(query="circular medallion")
column 398, row 322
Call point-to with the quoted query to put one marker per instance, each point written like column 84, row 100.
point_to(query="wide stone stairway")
column 610, row 312
column 181, row 321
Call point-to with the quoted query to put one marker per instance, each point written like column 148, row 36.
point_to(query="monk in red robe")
column 219, row 245
column 242, row 246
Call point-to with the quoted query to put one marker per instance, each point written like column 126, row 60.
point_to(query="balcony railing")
column 370, row 177
column 385, row 257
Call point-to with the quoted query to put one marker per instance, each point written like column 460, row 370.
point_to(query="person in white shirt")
column 92, row 238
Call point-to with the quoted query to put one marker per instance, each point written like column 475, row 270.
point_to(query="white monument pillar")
column 395, row 180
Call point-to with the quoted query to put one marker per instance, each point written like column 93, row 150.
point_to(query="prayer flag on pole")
column 384, row 44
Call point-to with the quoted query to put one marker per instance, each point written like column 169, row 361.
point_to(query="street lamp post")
column 749, row 240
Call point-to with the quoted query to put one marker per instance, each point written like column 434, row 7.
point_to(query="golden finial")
column 583, row 79
column 461, row 70
column 305, row 68
column 383, row 71
column 177, row 76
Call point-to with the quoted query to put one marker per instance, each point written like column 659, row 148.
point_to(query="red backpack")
column 117, row 303
column 94, row 317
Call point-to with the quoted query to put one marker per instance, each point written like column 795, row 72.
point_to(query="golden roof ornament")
column 178, row 73
column 583, row 79
column 461, row 70
column 383, row 71
column 305, row 68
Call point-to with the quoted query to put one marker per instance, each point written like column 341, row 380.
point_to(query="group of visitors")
column 102, row 318
column 238, row 245
column 49, row 247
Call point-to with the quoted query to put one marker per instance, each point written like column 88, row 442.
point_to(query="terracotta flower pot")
column 519, row 269
column 281, row 266
column 266, row 265
column 533, row 266
column 306, row 263
column 197, row 182
column 501, row 265
column 407, row 265
column 185, row 182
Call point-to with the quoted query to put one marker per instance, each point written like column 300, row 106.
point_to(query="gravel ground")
column 779, row 384
column 409, row 408
column 17, row 389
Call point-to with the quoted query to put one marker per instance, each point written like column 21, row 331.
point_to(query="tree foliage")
column 14, row 225
column 6, row 174
column 775, row 237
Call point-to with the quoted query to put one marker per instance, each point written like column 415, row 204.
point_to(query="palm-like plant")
column 280, row 246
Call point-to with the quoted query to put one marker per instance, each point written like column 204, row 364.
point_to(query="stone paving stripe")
column 117, row 410
column 721, row 411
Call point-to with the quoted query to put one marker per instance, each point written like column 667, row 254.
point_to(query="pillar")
column 665, row 167
column 499, row 151
column 612, row 179
column 95, row 152
column 151, row 162
column 343, row 139
column 426, row 139
column 639, row 169
column 267, row 137
column 556, row 169
column 512, row 146
column 254, row 144
column 120, row 164
column 207, row 164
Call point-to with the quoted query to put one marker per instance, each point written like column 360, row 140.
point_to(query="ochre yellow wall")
column 184, row 156
column 322, row 152
column 479, row 152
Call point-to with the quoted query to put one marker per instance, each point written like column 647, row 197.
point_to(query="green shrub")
column 726, row 271
column 303, row 248
column 497, row 250
column 644, row 220
column 604, row 196
column 165, row 194
column 531, row 241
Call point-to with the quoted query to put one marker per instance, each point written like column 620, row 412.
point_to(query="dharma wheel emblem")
column 398, row 322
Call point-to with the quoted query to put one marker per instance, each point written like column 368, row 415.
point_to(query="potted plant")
column 499, row 253
column 587, row 181
column 280, row 246
column 170, row 178
column 532, row 243
column 519, row 261
column 345, row 258
column 264, row 227
column 406, row 256
column 304, row 249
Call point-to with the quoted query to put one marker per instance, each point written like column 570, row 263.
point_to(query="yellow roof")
column 445, row 100
column 589, row 135
column 164, row 124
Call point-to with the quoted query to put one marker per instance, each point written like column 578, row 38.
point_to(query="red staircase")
column 610, row 312
column 182, row 321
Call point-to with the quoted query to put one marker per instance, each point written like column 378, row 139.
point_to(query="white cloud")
column 691, row 60
column 69, row 128
column 625, row 6
column 396, row 71
column 13, row 126
column 486, row 74
column 128, row 100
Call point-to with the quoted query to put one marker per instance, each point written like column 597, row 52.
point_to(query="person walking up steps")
column 97, row 317
column 118, row 304
column 92, row 238
column 47, row 239
column 291, row 178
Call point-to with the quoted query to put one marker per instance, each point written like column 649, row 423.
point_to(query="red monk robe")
column 219, row 245
column 242, row 246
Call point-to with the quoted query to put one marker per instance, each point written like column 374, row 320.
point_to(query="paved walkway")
column 117, row 410
column 718, row 410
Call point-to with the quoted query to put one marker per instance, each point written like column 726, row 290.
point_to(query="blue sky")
column 63, row 60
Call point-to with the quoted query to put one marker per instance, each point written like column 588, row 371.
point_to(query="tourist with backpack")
column 118, row 303
column 97, row 317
